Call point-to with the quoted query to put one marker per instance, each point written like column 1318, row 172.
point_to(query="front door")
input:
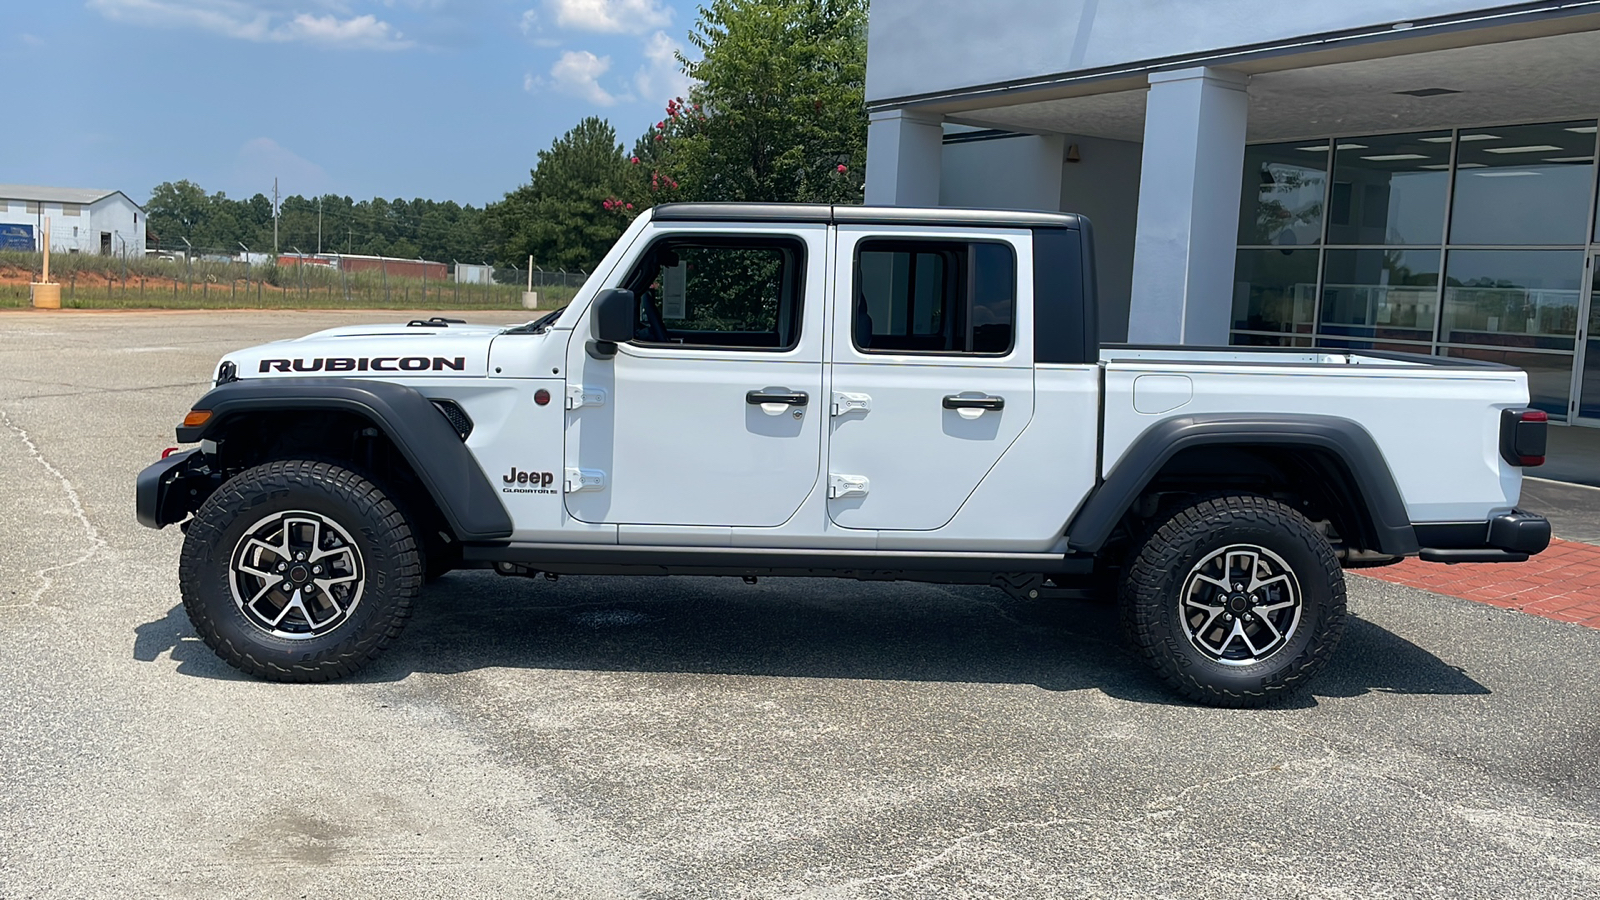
column 712, row 415
column 932, row 368
column 1587, row 389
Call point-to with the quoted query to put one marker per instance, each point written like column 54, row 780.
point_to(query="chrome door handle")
column 956, row 401
column 777, row 395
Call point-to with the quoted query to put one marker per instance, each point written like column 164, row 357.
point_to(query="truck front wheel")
column 1234, row 600
column 299, row 571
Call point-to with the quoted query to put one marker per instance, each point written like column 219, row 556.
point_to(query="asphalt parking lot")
column 705, row 738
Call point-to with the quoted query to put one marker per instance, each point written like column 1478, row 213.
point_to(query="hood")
column 373, row 351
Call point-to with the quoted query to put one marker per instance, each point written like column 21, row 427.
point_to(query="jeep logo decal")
column 366, row 364
column 520, row 482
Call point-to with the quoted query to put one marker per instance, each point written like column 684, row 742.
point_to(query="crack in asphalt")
column 96, row 543
column 1158, row 808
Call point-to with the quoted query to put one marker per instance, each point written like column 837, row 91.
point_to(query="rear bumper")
column 168, row 490
column 1512, row 537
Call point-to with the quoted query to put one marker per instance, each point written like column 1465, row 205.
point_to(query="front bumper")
column 169, row 490
column 1512, row 537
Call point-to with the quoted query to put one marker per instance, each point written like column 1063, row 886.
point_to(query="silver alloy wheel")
column 296, row 575
column 1240, row 604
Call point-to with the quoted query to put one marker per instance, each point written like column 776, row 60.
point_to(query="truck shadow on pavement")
column 802, row 629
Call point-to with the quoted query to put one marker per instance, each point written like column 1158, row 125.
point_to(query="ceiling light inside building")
column 1323, row 148
column 1472, row 165
column 1391, row 157
column 1505, row 173
column 1427, row 92
column 1531, row 148
column 1479, row 137
column 1568, row 159
column 1441, row 139
column 1438, row 166
column 1584, row 129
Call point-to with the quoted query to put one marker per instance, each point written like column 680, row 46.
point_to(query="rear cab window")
column 935, row 296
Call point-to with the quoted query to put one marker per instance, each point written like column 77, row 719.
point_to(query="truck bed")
column 1436, row 419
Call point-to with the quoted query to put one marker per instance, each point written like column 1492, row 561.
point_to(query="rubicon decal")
column 520, row 482
column 366, row 364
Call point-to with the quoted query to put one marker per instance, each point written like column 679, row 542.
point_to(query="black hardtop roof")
column 861, row 215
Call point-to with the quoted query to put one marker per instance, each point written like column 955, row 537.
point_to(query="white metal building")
column 1413, row 175
column 82, row 220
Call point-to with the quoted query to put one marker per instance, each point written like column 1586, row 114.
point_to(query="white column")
column 1193, row 158
column 903, row 156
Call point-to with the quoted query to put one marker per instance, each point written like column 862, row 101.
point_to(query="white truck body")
column 682, row 459
column 852, row 392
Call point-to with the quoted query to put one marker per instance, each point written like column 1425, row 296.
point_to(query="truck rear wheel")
column 1234, row 600
column 299, row 571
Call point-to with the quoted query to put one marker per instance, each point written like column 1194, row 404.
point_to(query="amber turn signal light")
column 196, row 418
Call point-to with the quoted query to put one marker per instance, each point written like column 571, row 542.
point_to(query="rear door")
column 712, row 415
column 932, row 370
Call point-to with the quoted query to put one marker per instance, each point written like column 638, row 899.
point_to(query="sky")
column 439, row 99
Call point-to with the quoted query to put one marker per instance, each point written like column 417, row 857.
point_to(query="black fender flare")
column 1384, row 508
column 423, row 435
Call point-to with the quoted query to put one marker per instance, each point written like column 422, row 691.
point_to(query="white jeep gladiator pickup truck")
column 856, row 392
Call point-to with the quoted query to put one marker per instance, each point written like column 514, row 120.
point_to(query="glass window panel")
column 1589, row 390
column 1281, row 198
column 1512, row 298
column 1527, row 184
column 1385, row 346
column 935, row 297
column 719, row 292
column 1390, row 294
column 1549, row 374
column 1246, row 339
column 1274, row 290
column 1389, row 189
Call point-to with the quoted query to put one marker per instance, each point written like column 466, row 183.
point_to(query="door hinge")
column 847, row 486
column 580, row 396
column 585, row 480
column 844, row 404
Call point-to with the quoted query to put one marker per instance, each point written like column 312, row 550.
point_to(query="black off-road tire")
column 387, row 558
column 1153, row 604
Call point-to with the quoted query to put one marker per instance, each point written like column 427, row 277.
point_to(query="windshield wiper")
column 539, row 325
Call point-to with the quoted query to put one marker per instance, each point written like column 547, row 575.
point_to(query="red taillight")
column 1522, row 436
column 1543, row 419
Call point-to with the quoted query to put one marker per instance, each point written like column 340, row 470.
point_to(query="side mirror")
column 611, row 322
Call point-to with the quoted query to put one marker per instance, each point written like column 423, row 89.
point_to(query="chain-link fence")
column 218, row 280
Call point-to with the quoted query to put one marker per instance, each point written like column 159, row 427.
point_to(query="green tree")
column 177, row 210
column 564, row 216
column 777, row 112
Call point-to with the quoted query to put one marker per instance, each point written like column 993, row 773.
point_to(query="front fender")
column 423, row 436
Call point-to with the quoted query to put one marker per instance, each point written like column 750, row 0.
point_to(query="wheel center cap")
column 1238, row 603
column 299, row 574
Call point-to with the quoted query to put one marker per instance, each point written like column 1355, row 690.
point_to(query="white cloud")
column 263, row 21
column 661, row 77
column 32, row 40
column 360, row 32
column 578, row 72
column 611, row 16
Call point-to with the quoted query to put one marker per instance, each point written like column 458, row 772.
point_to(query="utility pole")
column 274, row 217
column 319, row 226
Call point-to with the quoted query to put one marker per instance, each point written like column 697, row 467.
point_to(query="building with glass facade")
column 1417, row 175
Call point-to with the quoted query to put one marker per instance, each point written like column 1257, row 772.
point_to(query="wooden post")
column 46, row 294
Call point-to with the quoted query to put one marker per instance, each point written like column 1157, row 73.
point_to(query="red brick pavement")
column 1562, row 583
